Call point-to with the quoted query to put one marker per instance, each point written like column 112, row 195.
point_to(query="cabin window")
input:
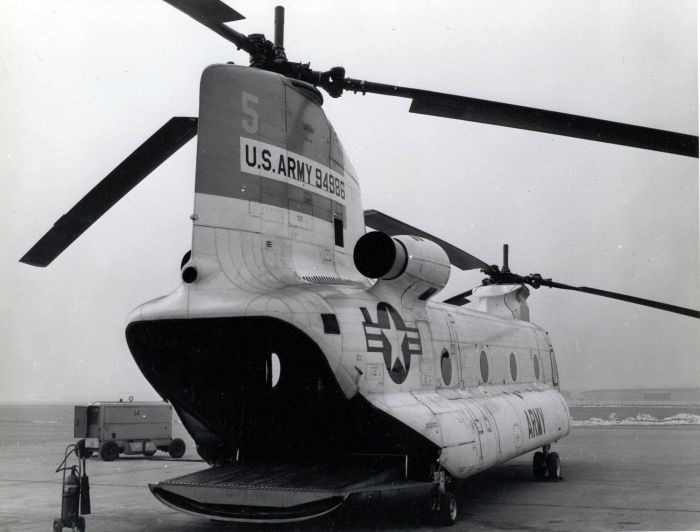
column 338, row 229
column 536, row 363
column 272, row 370
column 513, row 367
column 446, row 367
column 484, row 366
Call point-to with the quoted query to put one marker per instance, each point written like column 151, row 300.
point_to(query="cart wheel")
column 177, row 448
column 57, row 525
column 109, row 451
column 87, row 453
column 149, row 453
column 80, row 524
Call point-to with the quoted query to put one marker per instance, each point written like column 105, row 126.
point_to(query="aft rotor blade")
column 622, row 297
column 391, row 226
column 129, row 173
column 213, row 14
column 459, row 299
column 531, row 119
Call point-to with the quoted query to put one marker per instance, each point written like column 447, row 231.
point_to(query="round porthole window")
column 484, row 365
column 536, row 362
column 272, row 370
column 446, row 367
column 513, row 367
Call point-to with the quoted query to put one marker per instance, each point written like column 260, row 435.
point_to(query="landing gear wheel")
column 177, row 448
column 447, row 513
column 554, row 467
column 109, row 451
column 80, row 524
column 539, row 466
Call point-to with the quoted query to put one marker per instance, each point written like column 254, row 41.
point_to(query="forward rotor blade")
column 213, row 14
column 459, row 299
column 529, row 118
column 622, row 297
column 391, row 226
column 129, row 173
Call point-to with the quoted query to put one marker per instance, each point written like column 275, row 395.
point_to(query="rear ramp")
column 275, row 493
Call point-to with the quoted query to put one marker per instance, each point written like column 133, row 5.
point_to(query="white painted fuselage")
column 277, row 215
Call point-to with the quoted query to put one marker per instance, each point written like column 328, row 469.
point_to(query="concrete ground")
column 615, row 478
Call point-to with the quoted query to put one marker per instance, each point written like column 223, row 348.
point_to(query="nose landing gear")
column 546, row 465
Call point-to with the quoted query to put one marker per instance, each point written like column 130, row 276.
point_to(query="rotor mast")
column 279, row 30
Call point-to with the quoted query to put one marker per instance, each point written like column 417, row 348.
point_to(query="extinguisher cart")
column 75, row 501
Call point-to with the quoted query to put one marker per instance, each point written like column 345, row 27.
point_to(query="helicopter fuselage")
column 276, row 347
column 311, row 372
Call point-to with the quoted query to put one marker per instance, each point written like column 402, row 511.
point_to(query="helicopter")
column 383, row 341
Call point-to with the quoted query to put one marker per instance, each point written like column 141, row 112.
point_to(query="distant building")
column 676, row 395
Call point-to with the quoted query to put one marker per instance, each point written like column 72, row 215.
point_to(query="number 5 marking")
column 250, row 125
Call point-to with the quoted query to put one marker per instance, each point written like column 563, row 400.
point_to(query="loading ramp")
column 256, row 492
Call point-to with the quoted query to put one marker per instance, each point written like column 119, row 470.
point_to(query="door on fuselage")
column 448, row 366
column 555, row 372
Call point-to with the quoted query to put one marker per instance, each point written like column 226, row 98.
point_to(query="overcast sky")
column 84, row 83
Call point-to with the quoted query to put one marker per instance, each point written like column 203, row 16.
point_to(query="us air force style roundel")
column 390, row 336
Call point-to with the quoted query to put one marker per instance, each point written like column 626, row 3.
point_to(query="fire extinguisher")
column 75, row 500
column 70, row 505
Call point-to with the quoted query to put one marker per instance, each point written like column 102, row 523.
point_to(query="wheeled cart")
column 114, row 428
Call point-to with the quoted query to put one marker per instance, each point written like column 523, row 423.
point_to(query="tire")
column 539, row 466
column 149, row 453
column 80, row 524
column 109, row 451
column 554, row 467
column 427, row 508
column 88, row 453
column 176, row 449
column 447, row 513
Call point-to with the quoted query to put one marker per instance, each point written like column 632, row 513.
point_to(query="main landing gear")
column 546, row 465
column 442, row 505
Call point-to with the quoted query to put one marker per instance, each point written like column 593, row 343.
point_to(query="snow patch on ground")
column 639, row 419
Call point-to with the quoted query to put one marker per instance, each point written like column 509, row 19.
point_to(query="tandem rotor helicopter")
column 310, row 360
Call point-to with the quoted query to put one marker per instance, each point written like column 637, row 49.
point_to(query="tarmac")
column 614, row 478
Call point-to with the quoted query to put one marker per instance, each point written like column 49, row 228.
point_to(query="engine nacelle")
column 410, row 265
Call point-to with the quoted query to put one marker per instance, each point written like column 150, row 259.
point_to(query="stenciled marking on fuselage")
column 273, row 192
column 535, row 422
column 261, row 158
column 397, row 364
